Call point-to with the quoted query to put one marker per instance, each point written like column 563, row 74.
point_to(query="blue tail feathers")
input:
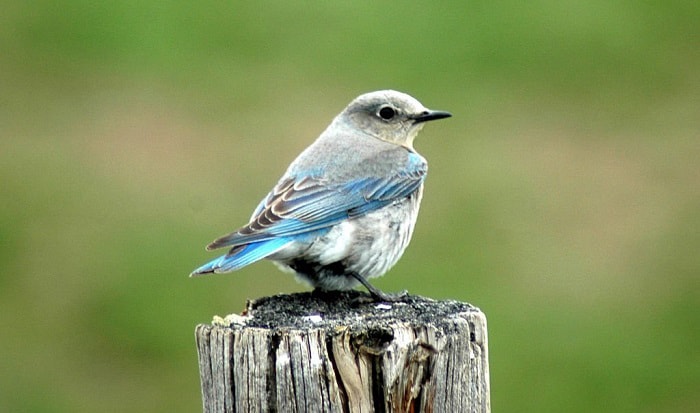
column 242, row 255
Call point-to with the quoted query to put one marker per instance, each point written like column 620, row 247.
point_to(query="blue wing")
column 306, row 204
column 302, row 205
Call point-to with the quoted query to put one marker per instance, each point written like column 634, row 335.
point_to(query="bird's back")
column 338, row 156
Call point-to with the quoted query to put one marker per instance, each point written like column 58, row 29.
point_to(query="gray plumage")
column 345, row 209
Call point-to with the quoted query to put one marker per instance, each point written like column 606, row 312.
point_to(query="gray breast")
column 368, row 245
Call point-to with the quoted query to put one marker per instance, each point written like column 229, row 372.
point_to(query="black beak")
column 430, row 115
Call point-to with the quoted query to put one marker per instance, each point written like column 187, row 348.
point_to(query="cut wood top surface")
column 347, row 308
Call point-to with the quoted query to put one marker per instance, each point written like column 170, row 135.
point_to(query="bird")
column 345, row 209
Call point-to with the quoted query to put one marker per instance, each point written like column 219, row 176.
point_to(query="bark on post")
column 341, row 353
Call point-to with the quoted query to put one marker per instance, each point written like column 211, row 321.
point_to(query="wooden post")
column 340, row 352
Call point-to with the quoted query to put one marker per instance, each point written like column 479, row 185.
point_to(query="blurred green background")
column 563, row 196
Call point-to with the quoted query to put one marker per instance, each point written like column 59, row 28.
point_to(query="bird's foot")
column 377, row 294
column 388, row 297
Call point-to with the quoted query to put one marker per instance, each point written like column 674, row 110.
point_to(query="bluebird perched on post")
column 345, row 209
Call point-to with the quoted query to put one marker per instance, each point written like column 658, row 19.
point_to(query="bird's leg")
column 376, row 293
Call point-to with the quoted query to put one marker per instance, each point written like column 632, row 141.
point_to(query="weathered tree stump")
column 339, row 352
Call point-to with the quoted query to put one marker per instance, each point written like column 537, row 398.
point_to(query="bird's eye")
column 387, row 112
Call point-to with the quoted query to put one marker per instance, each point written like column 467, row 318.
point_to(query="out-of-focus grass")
column 562, row 197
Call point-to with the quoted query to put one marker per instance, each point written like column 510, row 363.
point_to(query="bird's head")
column 389, row 115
